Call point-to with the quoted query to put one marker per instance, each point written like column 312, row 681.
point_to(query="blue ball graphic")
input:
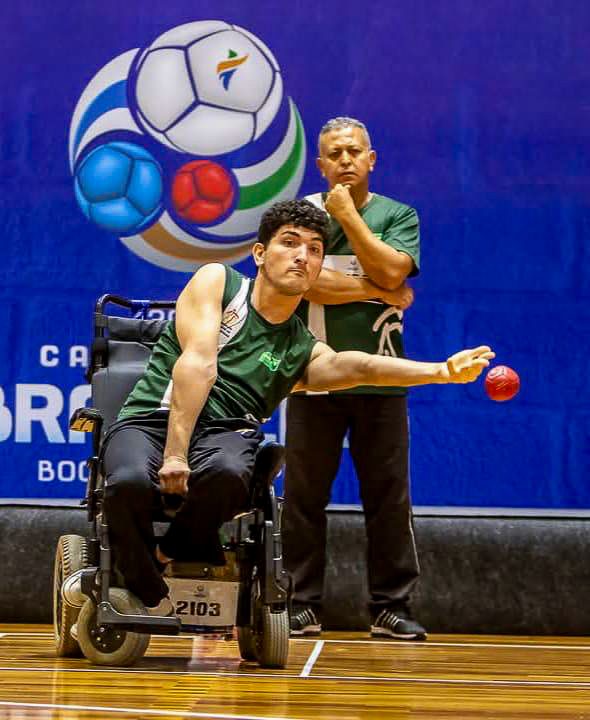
column 119, row 186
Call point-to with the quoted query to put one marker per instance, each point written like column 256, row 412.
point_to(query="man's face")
column 293, row 259
column 345, row 157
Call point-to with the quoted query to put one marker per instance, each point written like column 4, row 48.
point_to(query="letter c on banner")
column 49, row 355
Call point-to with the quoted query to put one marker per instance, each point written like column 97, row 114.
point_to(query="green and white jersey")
column 370, row 326
column 258, row 363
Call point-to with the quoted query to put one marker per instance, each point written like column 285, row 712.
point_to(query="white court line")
column 28, row 634
column 141, row 711
column 457, row 681
column 182, row 636
column 397, row 644
column 428, row 643
column 287, row 676
column 148, row 671
column 315, row 653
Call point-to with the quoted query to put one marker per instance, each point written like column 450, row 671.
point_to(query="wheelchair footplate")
column 204, row 596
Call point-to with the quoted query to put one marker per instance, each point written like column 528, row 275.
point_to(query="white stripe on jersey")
column 234, row 316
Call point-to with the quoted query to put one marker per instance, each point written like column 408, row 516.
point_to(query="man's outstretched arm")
column 198, row 319
column 329, row 370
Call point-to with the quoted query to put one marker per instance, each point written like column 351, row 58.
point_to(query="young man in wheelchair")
column 190, row 429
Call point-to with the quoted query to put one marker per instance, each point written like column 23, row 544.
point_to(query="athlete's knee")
column 128, row 484
column 233, row 470
column 226, row 477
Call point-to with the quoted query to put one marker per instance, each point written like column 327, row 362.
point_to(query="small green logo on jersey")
column 271, row 361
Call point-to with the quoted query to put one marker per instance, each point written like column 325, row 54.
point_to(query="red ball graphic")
column 202, row 191
column 502, row 383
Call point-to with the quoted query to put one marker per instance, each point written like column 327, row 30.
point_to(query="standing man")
column 356, row 304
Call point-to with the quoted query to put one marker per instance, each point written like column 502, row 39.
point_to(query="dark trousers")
column 221, row 459
column 378, row 439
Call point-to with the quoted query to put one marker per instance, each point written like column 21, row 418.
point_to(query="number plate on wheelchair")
column 204, row 602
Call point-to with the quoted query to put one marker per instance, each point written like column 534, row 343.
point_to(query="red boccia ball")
column 502, row 383
column 202, row 191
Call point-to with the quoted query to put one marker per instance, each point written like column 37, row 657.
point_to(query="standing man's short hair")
column 338, row 123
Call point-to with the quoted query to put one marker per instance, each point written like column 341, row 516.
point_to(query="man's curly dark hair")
column 300, row 213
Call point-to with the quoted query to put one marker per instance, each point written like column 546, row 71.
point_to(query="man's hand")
column 339, row 202
column 467, row 365
column 402, row 297
column 174, row 476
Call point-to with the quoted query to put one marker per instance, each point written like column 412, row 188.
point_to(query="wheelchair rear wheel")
column 111, row 645
column 247, row 644
column 71, row 555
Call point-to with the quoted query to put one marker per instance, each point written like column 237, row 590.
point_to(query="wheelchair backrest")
column 119, row 357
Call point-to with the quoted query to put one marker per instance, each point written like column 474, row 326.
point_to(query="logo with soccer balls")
column 180, row 147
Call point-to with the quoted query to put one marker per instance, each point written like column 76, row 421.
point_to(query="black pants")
column 221, row 458
column 378, row 439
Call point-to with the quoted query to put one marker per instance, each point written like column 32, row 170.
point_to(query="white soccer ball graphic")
column 207, row 88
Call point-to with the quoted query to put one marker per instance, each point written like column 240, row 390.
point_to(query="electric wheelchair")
column 250, row 593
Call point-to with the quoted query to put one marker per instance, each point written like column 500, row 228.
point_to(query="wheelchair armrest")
column 270, row 459
column 86, row 420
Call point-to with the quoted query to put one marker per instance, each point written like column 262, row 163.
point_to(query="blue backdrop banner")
column 141, row 140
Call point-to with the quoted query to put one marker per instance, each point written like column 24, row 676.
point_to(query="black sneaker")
column 397, row 623
column 304, row 622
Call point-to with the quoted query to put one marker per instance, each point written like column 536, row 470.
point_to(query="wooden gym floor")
column 342, row 676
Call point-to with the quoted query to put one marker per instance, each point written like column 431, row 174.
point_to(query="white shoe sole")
column 377, row 631
column 164, row 608
column 308, row 630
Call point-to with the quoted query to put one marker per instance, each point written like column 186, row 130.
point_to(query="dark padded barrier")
column 28, row 537
column 500, row 575
column 504, row 575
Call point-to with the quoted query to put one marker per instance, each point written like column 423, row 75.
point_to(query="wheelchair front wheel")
column 272, row 637
column 71, row 555
column 112, row 645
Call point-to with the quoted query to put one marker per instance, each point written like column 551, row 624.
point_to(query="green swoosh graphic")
column 253, row 195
